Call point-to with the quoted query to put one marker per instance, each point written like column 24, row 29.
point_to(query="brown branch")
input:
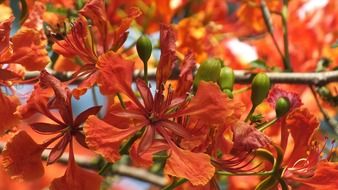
column 120, row 170
column 241, row 76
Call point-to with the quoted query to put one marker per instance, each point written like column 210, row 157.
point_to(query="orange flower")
column 324, row 177
column 302, row 125
column 76, row 178
column 157, row 116
column 193, row 166
column 25, row 47
column 22, row 157
column 7, row 109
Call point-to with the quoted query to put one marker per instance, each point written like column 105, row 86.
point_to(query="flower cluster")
column 193, row 130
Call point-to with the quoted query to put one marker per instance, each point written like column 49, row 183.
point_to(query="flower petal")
column 168, row 54
column 5, row 28
column 186, row 75
column 22, row 157
column 195, row 167
column 77, row 178
column 212, row 106
column 247, row 138
column 302, row 125
column 325, row 177
column 29, row 50
column 7, row 109
column 116, row 73
column 146, row 159
column 104, row 138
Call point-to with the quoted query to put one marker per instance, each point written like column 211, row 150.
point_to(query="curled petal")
column 195, row 167
column 168, row 54
column 104, row 138
column 22, row 157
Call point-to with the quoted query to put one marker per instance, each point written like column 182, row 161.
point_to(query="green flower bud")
column 260, row 87
column 144, row 48
column 226, row 78
column 282, row 106
column 208, row 71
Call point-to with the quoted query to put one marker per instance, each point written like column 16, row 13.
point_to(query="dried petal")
column 247, row 138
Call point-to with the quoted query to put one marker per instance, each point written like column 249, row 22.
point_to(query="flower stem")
column 250, row 113
column 267, row 124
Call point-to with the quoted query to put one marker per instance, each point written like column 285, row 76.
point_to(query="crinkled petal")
column 29, row 50
column 104, row 138
column 116, row 73
column 212, row 106
column 22, row 157
column 195, row 167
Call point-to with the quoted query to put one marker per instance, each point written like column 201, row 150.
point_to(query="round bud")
column 260, row 87
column 208, row 71
column 282, row 106
column 226, row 78
column 144, row 48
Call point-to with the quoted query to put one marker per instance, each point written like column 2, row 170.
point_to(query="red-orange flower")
column 157, row 115
column 7, row 109
column 76, row 178
column 22, row 157
column 25, row 47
